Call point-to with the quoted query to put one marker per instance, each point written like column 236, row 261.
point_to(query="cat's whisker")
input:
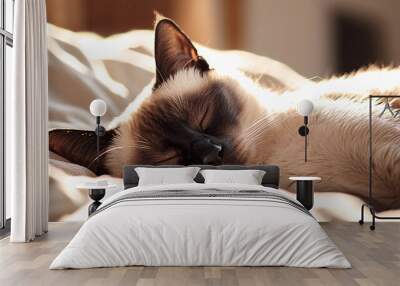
column 143, row 141
column 254, row 131
column 257, row 124
column 256, row 138
column 270, row 124
column 257, row 121
column 179, row 102
column 262, row 135
column 109, row 150
column 253, row 141
column 256, row 134
column 253, row 136
column 143, row 145
column 256, row 127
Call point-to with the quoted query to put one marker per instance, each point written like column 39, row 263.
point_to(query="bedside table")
column 97, row 191
column 304, row 190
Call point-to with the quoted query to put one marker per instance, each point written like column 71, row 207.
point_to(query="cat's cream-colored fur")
column 338, row 141
column 338, row 149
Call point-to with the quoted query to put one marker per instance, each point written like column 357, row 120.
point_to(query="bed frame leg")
column 361, row 221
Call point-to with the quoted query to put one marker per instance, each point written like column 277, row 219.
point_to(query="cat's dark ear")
column 174, row 51
column 79, row 147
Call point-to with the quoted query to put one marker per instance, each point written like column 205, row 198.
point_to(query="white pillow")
column 248, row 177
column 163, row 176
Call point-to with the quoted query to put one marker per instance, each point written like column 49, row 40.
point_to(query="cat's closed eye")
column 167, row 159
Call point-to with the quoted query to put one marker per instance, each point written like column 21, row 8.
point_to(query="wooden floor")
column 375, row 257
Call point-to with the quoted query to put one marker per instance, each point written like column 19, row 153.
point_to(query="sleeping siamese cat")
column 197, row 115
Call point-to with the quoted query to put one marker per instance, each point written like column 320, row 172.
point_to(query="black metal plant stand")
column 369, row 204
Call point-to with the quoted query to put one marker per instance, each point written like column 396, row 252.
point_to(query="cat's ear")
column 79, row 147
column 174, row 51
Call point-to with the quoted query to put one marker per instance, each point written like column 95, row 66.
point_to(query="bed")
column 198, row 224
column 122, row 73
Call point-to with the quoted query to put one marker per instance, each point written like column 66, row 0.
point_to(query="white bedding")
column 200, row 231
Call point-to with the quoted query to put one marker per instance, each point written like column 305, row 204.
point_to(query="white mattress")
column 200, row 231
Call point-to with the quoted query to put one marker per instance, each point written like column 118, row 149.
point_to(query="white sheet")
column 223, row 232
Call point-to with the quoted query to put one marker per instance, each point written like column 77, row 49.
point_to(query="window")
column 6, row 44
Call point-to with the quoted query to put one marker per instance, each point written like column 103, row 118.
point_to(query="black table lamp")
column 304, row 108
column 98, row 108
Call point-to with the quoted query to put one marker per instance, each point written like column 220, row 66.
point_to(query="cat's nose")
column 213, row 157
column 207, row 152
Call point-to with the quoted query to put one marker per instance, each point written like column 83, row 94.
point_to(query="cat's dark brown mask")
column 177, row 124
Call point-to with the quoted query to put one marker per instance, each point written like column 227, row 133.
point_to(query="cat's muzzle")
column 206, row 151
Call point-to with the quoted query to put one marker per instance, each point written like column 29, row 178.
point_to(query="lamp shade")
column 98, row 107
column 305, row 107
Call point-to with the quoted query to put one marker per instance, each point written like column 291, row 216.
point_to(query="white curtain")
column 26, row 124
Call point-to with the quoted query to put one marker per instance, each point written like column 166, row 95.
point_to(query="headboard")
column 271, row 177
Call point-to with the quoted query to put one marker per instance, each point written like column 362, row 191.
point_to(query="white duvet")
column 200, row 231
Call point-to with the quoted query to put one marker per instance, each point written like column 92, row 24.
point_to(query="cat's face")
column 192, row 116
column 193, row 125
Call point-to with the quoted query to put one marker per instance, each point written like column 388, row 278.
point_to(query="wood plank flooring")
column 375, row 257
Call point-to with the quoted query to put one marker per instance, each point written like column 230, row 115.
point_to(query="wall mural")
column 173, row 101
